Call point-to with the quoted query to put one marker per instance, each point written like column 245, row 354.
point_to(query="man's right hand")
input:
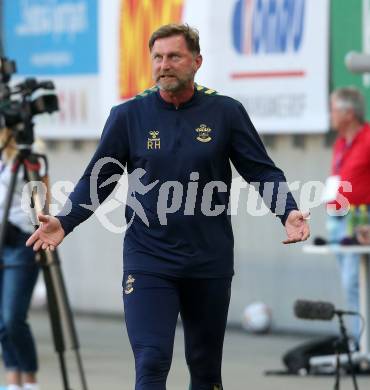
column 49, row 234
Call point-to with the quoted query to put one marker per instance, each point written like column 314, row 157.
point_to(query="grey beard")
column 178, row 86
column 174, row 87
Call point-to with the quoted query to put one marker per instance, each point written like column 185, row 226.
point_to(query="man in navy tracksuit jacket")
column 178, row 250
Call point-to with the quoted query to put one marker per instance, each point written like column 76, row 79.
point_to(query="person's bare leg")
column 29, row 377
column 13, row 378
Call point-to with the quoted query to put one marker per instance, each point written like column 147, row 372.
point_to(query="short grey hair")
column 350, row 98
column 190, row 34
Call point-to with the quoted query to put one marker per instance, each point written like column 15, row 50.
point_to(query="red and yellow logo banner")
column 138, row 20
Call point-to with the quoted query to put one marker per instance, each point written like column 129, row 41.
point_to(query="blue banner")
column 53, row 37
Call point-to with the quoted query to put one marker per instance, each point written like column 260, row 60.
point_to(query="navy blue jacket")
column 202, row 135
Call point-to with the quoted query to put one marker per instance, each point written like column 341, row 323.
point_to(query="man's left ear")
column 198, row 60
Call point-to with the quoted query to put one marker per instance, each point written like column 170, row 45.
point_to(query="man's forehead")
column 172, row 43
column 341, row 105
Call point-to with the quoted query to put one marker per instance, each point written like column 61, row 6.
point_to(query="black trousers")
column 152, row 304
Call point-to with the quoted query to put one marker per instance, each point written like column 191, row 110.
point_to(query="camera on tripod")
column 18, row 105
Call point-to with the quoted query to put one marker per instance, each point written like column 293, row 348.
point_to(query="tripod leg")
column 55, row 321
column 81, row 370
column 60, row 313
column 64, row 370
column 348, row 351
column 352, row 368
column 337, row 372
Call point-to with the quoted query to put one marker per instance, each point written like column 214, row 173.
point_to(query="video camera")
column 18, row 106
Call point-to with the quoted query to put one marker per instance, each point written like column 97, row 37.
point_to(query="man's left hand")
column 296, row 226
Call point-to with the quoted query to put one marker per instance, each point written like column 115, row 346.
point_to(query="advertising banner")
column 350, row 31
column 272, row 55
column 58, row 40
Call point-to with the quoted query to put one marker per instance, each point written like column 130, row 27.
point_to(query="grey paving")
column 109, row 364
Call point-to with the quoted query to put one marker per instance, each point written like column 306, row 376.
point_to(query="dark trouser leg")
column 151, row 305
column 204, row 305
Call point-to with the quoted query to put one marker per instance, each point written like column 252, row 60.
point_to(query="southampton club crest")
column 129, row 285
column 203, row 133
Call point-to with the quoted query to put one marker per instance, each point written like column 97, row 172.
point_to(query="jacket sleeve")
column 107, row 163
column 251, row 160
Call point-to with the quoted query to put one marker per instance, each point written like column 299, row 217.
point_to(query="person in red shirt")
column 350, row 171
